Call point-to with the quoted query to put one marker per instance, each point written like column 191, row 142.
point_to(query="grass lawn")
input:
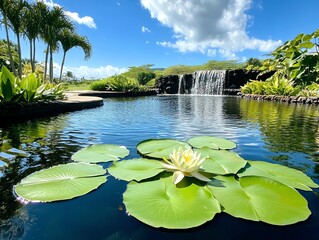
column 77, row 86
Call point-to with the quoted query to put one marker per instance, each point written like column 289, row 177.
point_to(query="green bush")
column 145, row 77
column 29, row 89
column 151, row 83
column 99, row 85
column 125, row 84
column 118, row 83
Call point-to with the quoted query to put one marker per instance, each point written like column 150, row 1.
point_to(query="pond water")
column 273, row 132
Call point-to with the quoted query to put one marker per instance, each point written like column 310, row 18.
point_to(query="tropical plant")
column 100, row 85
column 279, row 85
column 5, row 56
column 166, row 194
column 294, row 60
column 32, row 20
column 54, row 21
column 253, row 87
column 15, row 14
column 4, row 4
column 28, row 89
column 253, row 64
column 120, row 83
column 9, row 86
column 68, row 40
column 311, row 90
column 145, row 77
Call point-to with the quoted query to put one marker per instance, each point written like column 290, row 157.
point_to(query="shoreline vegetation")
column 23, row 80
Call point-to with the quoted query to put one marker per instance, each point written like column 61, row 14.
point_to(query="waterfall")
column 208, row 82
column 182, row 85
column 203, row 82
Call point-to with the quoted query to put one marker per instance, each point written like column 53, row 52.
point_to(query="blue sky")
column 128, row 33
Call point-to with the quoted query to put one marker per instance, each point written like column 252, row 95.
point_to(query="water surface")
column 273, row 132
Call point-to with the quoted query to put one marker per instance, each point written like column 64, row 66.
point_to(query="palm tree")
column 32, row 26
column 4, row 5
column 68, row 40
column 15, row 13
column 55, row 21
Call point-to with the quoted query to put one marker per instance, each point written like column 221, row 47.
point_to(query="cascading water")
column 203, row 82
column 208, row 82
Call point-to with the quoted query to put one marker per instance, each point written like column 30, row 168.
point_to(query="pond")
column 267, row 131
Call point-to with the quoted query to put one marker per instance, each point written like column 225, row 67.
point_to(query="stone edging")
column 18, row 112
column 287, row 99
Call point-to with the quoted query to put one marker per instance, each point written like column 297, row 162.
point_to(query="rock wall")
column 234, row 80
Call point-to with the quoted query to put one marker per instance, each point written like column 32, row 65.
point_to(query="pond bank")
column 75, row 101
column 277, row 98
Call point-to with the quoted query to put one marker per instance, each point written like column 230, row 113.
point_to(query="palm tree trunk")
column 64, row 54
column 19, row 53
column 51, row 66
column 31, row 56
column 46, row 63
column 9, row 47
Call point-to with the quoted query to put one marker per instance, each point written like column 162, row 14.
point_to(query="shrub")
column 99, row 85
column 29, row 89
column 145, row 77
column 118, row 83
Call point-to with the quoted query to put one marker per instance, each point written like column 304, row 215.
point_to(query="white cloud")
column 145, row 29
column 88, row 72
column 206, row 25
column 86, row 20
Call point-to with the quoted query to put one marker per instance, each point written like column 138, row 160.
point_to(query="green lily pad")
column 211, row 142
column 288, row 176
column 135, row 169
column 100, row 153
column 61, row 182
column 159, row 148
column 161, row 203
column 221, row 161
column 260, row 199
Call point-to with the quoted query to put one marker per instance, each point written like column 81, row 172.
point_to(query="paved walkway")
column 19, row 112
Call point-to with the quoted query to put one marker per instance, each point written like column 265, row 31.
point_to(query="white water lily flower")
column 185, row 163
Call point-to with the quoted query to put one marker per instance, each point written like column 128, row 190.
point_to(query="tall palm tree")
column 70, row 40
column 4, row 5
column 32, row 25
column 56, row 21
column 15, row 13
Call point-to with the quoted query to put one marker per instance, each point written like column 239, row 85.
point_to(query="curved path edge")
column 19, row 112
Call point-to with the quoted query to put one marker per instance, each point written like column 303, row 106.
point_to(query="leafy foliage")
column 275, row 85
column 296, row 68
column 29, row 89
column 118, row 83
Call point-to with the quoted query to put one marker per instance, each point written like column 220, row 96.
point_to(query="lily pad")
column 260, row 199
column 211, row 142
column 135, row 169
column 285, row 175
column 161, row 203
column 221, row 161
column 61, row 182
column 160, row 148
column 100, row 153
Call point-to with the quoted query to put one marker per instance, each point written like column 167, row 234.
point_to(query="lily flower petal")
column 169, row 166
column 200, row 177
column 177, row 177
